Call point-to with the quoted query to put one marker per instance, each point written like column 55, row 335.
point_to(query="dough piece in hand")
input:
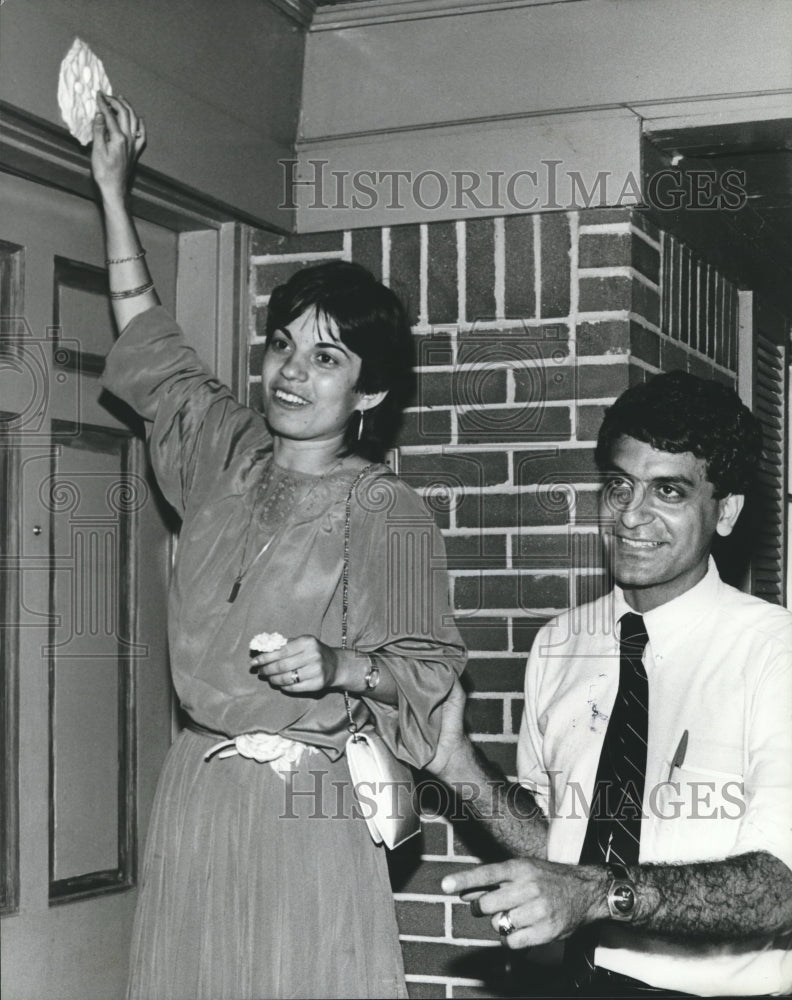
column 267, row 642
column 81, row 75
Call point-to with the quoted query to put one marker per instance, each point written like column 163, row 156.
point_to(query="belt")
column 282, row 754
column 606, row 983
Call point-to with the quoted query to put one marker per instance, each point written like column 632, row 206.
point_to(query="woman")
column 261, row 879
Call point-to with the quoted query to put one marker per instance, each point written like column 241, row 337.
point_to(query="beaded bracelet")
column 124, row 260
column 130, row 293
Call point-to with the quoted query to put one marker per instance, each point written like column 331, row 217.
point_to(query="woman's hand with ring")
column 305, row 665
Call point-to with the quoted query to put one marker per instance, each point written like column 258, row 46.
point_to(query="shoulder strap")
column 345, row 583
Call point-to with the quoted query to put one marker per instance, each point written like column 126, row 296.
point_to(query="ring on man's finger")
column 295, row 676
column 506, row 925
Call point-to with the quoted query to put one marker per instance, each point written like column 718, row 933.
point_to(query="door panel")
column 88, row 652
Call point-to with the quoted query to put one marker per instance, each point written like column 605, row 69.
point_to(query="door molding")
column 34, row 148
column 9, row 679
column 123, row 501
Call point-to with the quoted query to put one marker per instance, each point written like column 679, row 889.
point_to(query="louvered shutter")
column 770, row 382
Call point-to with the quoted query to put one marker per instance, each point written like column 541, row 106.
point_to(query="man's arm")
column 506, row 810
column 746, row 896
column 743, row 896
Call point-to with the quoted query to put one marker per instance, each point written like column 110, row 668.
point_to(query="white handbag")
column 383, row 785
column 383, row 789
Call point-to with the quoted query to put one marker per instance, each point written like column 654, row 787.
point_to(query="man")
column 679, row 881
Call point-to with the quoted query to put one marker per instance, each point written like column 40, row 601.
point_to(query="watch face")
column 621, row 900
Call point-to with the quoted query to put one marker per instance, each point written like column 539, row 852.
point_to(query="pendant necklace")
column 243, row 569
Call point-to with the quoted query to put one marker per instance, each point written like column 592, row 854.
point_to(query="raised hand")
column 119, row 136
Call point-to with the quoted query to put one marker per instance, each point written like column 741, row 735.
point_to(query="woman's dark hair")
column 373, row 323
column 677, row 412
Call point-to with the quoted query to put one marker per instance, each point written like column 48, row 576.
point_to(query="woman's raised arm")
column 119, row 136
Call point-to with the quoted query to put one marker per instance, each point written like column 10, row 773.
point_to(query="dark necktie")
column 614, row 827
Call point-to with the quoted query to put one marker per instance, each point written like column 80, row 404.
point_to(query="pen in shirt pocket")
column 679, row 756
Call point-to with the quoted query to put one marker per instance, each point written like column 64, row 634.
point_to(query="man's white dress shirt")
column 719, row 666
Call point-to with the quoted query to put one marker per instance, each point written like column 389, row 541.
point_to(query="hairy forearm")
column 506, row 810
column 744, row 896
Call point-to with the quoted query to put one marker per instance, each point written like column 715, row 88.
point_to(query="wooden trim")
column 12, row 294
column 529, row 163
column 355, row 15
column 731, row 109
column 85, row 278
column 124, row 875
column 299, row 11
column 234, row 303
column 12, row 270
column 37, row 150
column 745, row 346
column 9, row 677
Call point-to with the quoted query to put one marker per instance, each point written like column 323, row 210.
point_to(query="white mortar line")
column 298, row 257
column 386, row 247
column 499, row 251
column 646, row 237
column 461, row 238
column 574, row 305
column 423, row 274
column 620, row 228
column 537, row 250
column 640, row 276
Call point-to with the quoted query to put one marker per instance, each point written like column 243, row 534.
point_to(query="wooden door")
column 85, row 551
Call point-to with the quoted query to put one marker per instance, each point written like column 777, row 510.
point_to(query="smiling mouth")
column 637, row 543
column 289, row 398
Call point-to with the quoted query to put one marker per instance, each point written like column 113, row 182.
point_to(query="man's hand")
column 544, row 900
column 452, row 732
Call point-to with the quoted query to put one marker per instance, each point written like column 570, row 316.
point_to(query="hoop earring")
column 360, row 424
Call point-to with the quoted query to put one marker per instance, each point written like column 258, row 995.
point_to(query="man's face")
column 658, row 519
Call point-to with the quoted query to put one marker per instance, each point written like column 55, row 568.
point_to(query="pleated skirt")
column 253, row 888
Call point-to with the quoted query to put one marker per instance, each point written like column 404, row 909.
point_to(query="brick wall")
column 526, row 328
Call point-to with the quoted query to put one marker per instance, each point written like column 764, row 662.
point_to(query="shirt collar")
column 669, row 623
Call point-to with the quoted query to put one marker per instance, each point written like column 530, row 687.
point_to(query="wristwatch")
column 621, row 893
column 372, row 678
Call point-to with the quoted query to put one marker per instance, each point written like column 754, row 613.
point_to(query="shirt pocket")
column 698, row 810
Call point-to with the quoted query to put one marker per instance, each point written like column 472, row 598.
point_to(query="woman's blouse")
column 282, row 533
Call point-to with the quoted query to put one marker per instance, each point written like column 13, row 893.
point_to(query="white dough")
column 81, row 75
column 267, row 642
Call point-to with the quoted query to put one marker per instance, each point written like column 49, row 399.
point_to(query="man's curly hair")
column 679, row 412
